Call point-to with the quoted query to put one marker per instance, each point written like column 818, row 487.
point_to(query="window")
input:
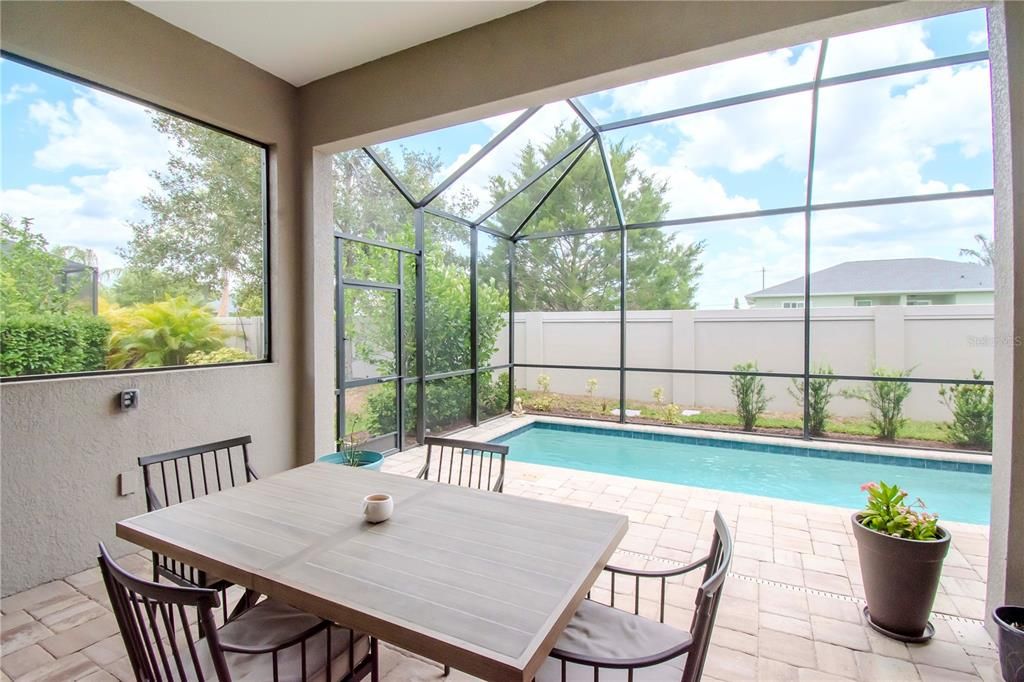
column 918, row 301
column 792, row 304
column 863, row 302
column 132, row 238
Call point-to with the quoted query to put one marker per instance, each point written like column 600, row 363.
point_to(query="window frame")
column 268, row 357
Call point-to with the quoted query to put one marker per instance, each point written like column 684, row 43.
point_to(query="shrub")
column 219, row 356
column 493, row 394
column 591, row 387
column 544, row 382
column 161, row 334
column 885, row 399
column 52, row 343
column 819, row 395
column 971, row 405
column 751, row 396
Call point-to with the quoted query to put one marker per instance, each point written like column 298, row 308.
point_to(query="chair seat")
column 597, row 631
column 271, row 622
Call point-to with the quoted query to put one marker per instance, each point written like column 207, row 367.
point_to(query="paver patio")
column 791, row 610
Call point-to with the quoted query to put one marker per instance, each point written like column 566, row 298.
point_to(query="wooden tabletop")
column 482, row 581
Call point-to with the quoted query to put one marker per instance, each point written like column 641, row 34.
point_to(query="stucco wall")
column 1006, row 551
column 63, row 441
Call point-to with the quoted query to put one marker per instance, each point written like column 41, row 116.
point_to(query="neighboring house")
column 900, row 281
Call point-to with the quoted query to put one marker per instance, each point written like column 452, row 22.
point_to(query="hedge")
column 52, row 343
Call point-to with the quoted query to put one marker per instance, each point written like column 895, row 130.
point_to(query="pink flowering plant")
column 888, row 512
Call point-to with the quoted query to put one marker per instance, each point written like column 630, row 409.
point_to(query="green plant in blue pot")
column 352, row 453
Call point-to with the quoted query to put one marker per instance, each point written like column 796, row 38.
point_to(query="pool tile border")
column 850, row 456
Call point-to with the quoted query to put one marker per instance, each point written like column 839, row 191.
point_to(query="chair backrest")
column 186, row 474
column 708, row 596
column 466, row 463
column 155, row 628
column 181, row 475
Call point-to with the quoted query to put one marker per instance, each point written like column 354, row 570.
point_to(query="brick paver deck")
column 791, row 610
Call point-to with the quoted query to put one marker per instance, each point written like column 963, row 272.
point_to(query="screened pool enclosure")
column 809, row 230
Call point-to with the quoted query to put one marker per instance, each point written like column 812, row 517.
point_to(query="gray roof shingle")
column 898, row 275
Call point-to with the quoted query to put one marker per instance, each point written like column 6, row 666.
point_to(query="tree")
column 44, row 327
column 573, row 272
column 204, row 232
column 581, row 272
column 32, row 274
column 367, row 205
column 984, row 253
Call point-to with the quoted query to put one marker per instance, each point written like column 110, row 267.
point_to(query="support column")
column 1006, row 544
column 533, row 348
column 684, row 344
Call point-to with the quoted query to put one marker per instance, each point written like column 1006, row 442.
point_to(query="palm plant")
column 161, row 334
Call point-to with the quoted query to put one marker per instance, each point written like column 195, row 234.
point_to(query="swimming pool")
column 957, row 491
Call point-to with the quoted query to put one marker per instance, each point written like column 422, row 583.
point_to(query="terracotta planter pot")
column 901, row 578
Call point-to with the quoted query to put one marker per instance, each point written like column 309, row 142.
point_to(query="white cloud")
column 876, row 137
column 978, row 38
column 707, row 84
column 691, row 194
column 748, row 137
column 91, row 212
column 18, row 90
column 502, row 159
column 112, row 143
column 899, row 44
column 98, row 132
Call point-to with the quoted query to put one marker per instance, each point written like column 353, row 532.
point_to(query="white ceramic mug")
column 378, row 507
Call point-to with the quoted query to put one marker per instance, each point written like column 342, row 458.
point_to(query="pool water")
column 783, row 471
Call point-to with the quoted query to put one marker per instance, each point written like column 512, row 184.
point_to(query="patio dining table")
column 482, row 581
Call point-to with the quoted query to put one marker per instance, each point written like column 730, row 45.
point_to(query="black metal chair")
column 465, row 463
column 268, row 641
column 624, row 645
column 185, row 475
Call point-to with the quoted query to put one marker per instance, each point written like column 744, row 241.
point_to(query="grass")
column 558, row 403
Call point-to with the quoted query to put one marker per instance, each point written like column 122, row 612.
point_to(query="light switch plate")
column 128, row 482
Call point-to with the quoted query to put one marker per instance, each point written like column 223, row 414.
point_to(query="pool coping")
column 926, row 459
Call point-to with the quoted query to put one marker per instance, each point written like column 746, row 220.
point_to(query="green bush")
column 971, row 405
column 161, row 334
column 819, row 395
column 493, row 394
column 885, row 399
column 750, row 393
column 52, row 343
column 448, row 404
column 219, row 356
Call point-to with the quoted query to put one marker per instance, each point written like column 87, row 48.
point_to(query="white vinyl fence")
column 942, row 342
column 244, row 333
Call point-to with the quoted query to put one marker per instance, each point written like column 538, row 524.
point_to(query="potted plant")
column 901, row 549
column 351, row 453
column 1010, row 620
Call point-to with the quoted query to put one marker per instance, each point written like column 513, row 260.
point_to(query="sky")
column 78, row 160
column 922, row 133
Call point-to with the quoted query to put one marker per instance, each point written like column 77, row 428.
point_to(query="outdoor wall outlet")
column 127, row 482
column 129, row 399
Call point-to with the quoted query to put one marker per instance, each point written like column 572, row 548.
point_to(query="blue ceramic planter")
column 367, row 459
